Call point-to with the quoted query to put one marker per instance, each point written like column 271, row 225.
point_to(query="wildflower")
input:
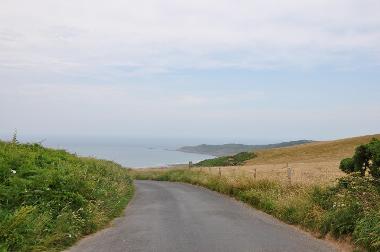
column 13, row 171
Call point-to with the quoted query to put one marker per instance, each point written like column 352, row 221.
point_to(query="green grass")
column 50, row 198
column 351, row 208
column 234, row 160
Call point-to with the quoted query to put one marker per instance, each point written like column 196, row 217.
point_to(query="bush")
column 341, row 220
column 367, row 231
column 366, row 158
column 234, row 160
column 347, row 165
column 50, row 198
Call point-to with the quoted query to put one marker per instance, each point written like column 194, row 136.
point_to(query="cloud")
column 162, row 36
column 162, row 66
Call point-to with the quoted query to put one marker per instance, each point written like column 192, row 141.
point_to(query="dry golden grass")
column 325, row 151
column 314, row 163
column 301, row 173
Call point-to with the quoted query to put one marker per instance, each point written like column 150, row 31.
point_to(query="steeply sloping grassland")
column 50, row 198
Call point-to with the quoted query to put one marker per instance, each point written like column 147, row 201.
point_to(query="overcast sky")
column 284, row 69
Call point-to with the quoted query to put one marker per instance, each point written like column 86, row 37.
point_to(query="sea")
column 129, row 152
column 132, row 152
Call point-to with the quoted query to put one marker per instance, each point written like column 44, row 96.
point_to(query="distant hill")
column 231, row 149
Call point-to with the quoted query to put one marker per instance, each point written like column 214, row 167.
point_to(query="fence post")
column 289, row 174
column 190, row 164
column 254, row 174
column 220, row 172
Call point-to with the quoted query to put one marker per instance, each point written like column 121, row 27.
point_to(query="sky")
column 274, row 70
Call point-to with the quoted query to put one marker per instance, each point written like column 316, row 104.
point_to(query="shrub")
column 367, row 231
column 50, row 198
column 366, row 158
column 234, row 160
column 341, row 220
column 347, row 165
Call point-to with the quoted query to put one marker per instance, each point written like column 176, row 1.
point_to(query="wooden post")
column 190, row 164
column 254, row 174
column 289, row 174
column 200, row 169
column 220, row 172
column 209, row 170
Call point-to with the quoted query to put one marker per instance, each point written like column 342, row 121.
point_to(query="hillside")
column 324, row 151
column 231, row 149
column 311, row 163
column 51, row 198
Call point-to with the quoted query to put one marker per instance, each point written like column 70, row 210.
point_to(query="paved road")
column 167, row 217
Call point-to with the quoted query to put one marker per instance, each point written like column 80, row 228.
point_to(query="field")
column 312, row 163
column 299, row 173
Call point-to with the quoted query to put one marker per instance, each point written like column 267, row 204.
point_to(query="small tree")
column 366, row 158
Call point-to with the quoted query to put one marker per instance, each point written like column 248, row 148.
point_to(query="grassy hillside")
column 231, row 149
column 50, row 198
column 312, row 152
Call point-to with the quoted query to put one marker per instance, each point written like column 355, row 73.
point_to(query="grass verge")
column 50, row 198
column 349, row 209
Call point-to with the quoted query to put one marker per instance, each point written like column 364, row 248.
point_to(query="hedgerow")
column 50, row 198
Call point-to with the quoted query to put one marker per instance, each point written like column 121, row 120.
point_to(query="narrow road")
column 167, row 217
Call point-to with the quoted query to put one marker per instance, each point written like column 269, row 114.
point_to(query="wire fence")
column 304, row 173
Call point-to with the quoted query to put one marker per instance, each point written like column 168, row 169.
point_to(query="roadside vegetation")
column 50, row 198
column 348, row 209
column 233, row 160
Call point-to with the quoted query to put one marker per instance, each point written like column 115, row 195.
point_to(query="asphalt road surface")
column 167, row 217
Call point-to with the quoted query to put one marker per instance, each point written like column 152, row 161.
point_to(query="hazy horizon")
column 153, row 141
column 134, row 152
